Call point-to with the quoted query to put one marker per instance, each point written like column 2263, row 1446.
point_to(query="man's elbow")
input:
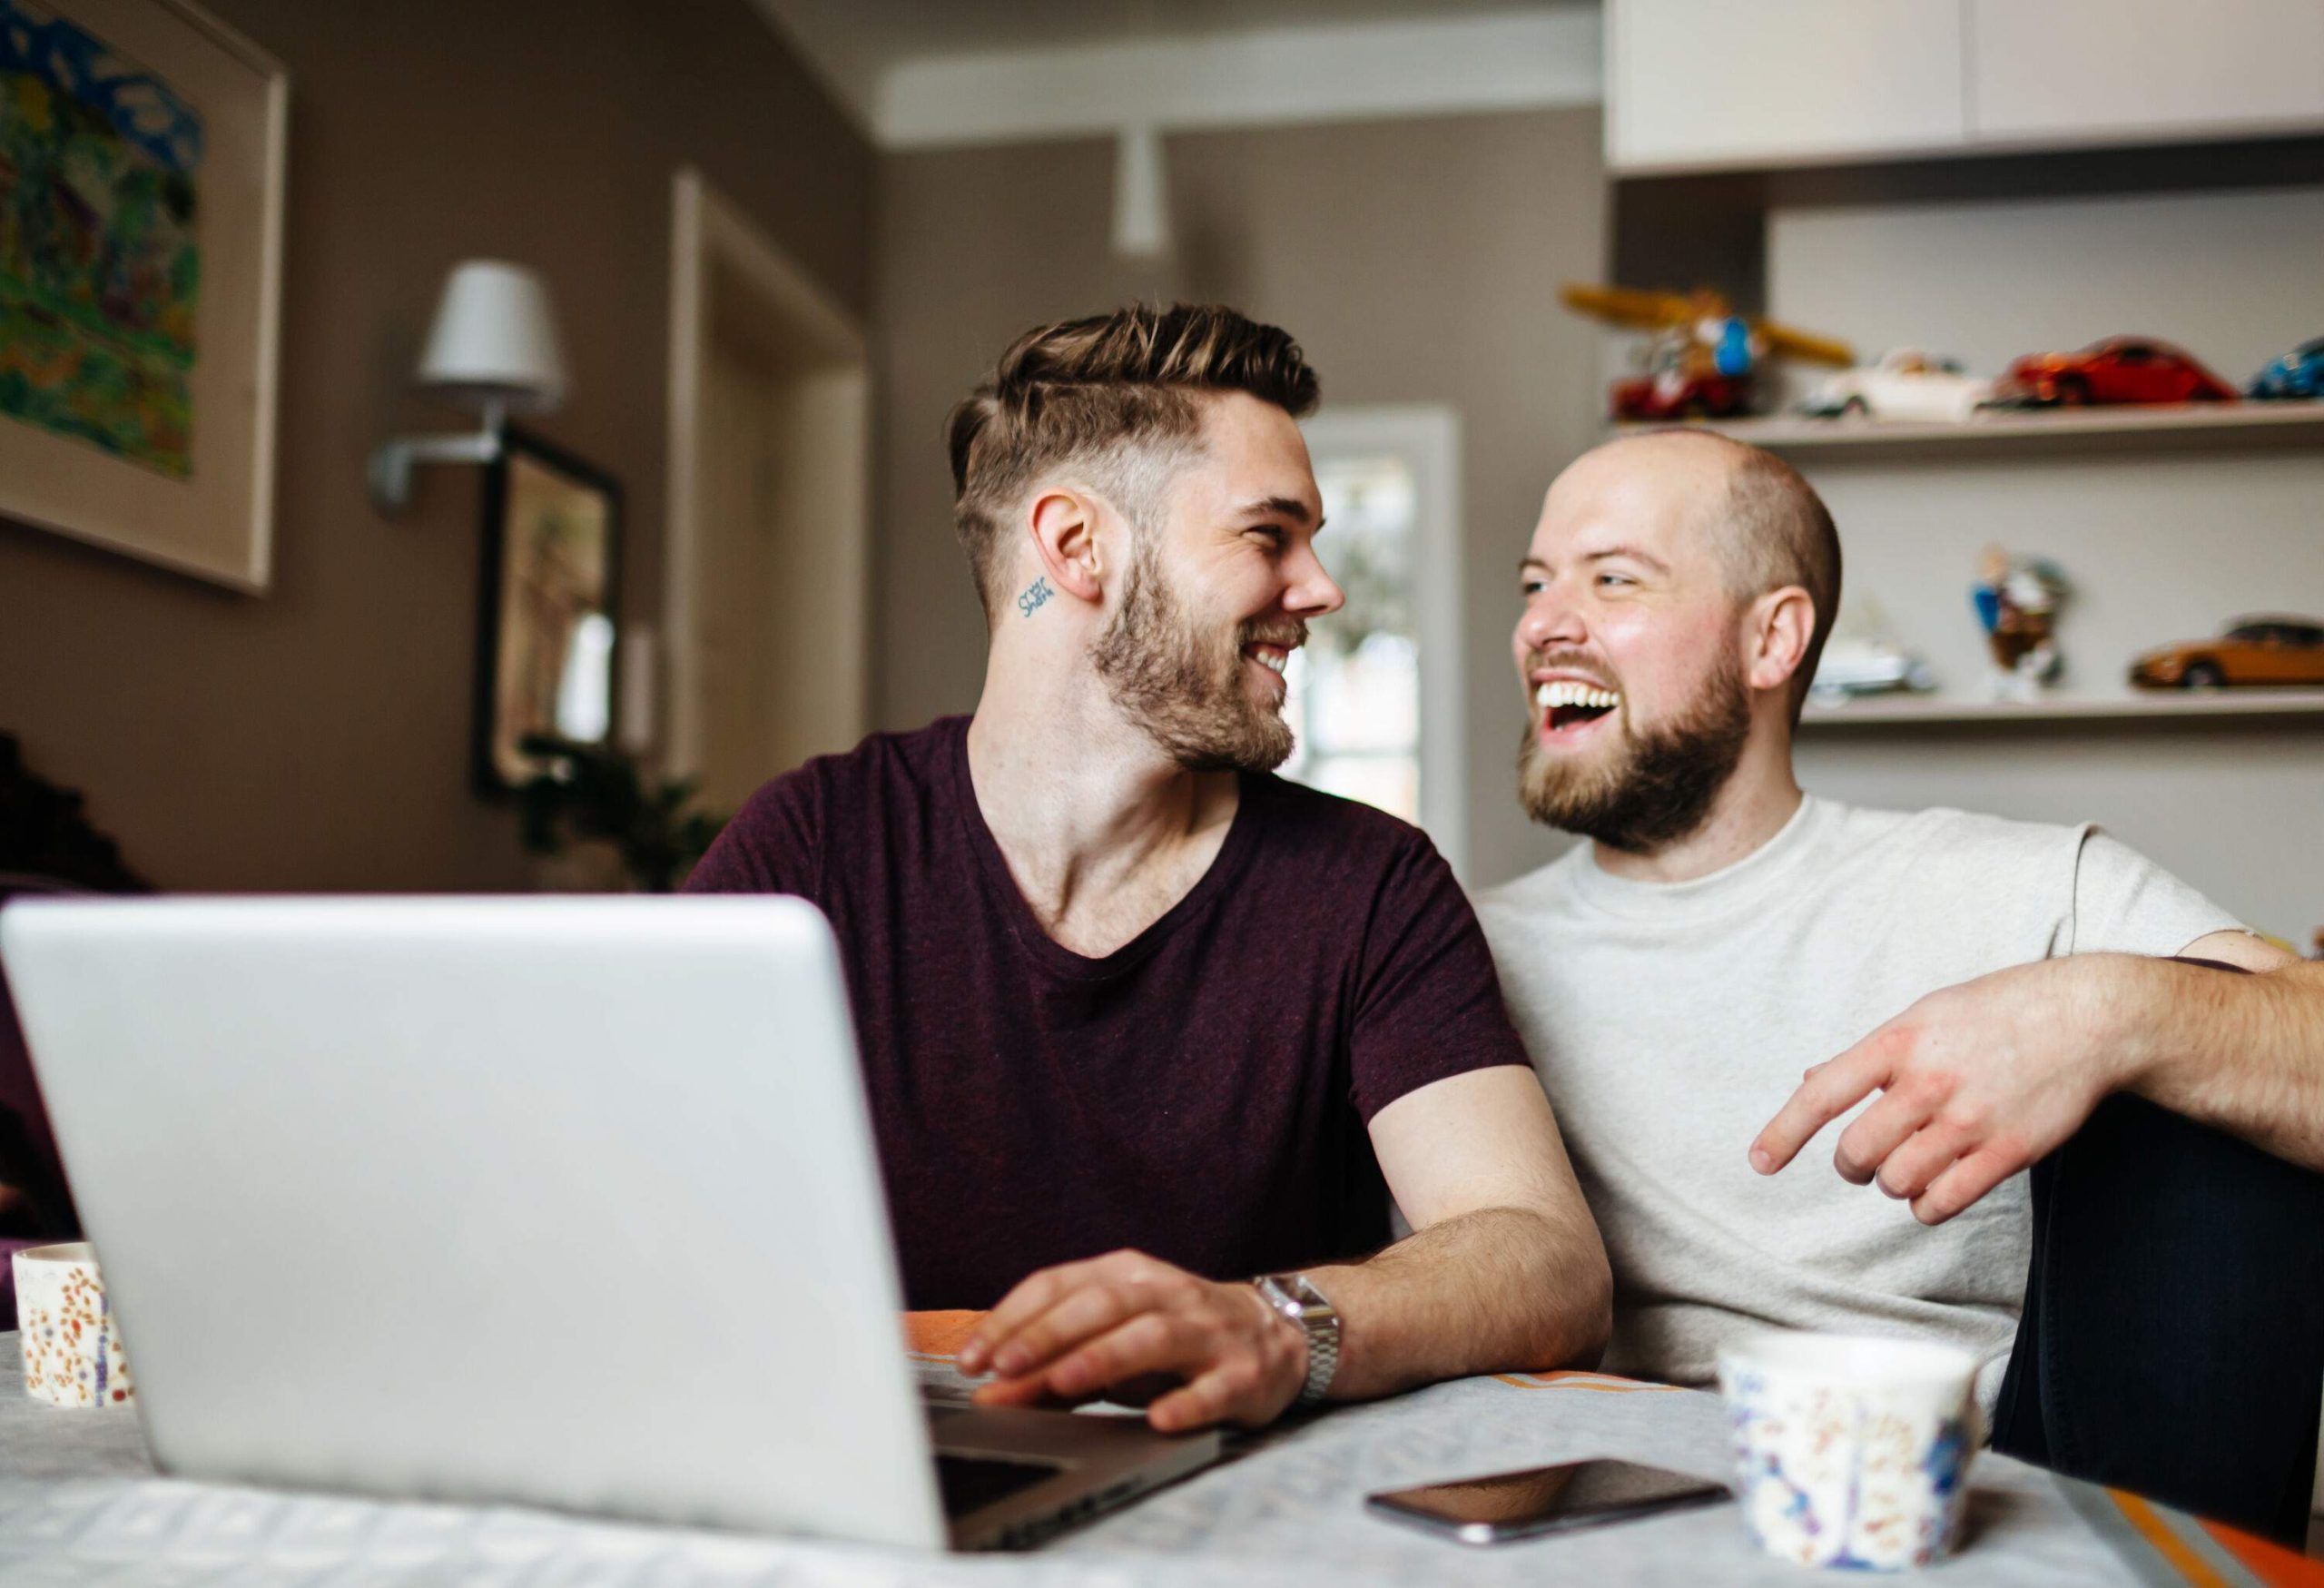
column 1594, row 1312
column 1575, row 1325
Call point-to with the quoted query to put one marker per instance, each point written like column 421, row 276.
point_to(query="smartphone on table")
column 1506, row 1506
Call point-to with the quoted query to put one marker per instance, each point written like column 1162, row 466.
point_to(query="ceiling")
column 850, row 43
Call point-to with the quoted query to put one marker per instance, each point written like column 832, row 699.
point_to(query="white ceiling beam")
column 1356, row 72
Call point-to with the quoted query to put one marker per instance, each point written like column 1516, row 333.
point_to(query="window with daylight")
column 1374, row 696
column 1354, row 698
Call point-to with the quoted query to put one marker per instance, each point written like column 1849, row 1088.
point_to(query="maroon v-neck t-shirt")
column 1200, row 1094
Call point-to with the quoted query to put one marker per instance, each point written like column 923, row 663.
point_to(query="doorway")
column 767, row 567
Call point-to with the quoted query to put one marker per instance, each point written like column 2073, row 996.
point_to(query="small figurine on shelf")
column 2017, row 600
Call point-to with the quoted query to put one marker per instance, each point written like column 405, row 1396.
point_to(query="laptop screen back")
column 559, row 1201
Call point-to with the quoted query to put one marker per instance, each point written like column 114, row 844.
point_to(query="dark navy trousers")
column 2173, row 1341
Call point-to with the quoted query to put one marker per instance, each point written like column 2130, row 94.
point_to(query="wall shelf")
column 2198, row 425
column 1895, row 711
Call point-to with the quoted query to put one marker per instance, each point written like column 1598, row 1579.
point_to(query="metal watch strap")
column 1295, row 1296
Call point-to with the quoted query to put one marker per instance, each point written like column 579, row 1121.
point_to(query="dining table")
column 82, row 1502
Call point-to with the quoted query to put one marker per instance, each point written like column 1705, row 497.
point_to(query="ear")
column 1775, row 635
column 1063, row 523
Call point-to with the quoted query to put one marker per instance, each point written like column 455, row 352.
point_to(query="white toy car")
column 1906, row 384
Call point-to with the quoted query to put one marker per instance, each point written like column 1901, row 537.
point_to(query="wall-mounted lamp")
column 493, row 350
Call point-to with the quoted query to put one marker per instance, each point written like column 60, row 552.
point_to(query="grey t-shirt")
column 1668, row 1022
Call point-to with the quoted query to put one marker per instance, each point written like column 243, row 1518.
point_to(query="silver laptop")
column 570, row 1203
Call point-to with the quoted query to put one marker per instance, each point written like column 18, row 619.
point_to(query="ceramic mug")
column 71, row 1342
column 1851, row 1452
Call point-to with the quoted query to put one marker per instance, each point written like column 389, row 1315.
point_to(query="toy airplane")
column 1703, row 356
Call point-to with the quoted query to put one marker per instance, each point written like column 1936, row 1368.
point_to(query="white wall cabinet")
column 2113, row 71
column 1698, row 84
column 1710, row 85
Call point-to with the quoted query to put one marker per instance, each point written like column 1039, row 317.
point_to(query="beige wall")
column 317, row 737
column 1416, row 262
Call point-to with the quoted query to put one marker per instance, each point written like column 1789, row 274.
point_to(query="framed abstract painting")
column 545, row 617
column 140, row 244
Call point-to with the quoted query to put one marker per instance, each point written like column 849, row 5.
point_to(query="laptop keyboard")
column 969, row 1482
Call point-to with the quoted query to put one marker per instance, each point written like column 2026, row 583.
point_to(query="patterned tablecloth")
column 80, row 1505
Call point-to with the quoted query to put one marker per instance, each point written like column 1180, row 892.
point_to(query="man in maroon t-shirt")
column 1138, row 1019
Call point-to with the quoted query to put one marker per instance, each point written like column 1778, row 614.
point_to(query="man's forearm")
column 2244, row 1053
column 1502, row 1290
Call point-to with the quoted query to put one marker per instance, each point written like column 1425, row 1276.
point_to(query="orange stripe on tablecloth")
column 2151, row 1528
column 1572, row 1379
column 2273, row 1563
column 939, row 1334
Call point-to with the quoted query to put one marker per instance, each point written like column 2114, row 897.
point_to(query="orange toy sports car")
column 2254, row 650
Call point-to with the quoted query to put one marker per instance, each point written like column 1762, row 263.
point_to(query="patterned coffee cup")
column 71, row 1342
column 1851, row 1452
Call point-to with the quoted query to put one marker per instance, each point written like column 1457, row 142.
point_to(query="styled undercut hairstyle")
column 1112, row 397
column 1781, row 533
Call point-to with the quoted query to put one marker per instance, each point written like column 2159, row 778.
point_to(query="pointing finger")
column 1829, row 1091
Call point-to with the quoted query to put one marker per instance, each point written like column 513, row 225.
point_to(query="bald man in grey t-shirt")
column 1728, row 966
column 1668, row 1021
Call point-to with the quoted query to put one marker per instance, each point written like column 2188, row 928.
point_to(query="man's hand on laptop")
column 1977, row 1082
column 1132, row 1328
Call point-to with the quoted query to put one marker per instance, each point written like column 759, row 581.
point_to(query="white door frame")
column 1428, row 437
column 708, row 233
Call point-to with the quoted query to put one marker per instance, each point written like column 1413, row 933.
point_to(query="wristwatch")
column 1298, row 1300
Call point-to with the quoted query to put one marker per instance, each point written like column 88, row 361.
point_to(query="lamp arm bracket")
column 392, row 461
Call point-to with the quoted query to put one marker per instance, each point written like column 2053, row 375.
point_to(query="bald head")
column 1770, row 528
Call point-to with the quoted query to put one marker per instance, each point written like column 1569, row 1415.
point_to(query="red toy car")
column 2122, row 369
column 1680, row 394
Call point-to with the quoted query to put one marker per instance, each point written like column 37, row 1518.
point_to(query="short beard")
column 1176, row 683
column 1660, row 789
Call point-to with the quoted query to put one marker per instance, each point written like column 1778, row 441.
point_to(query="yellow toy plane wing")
column 1790, row 343
column 1633, row 308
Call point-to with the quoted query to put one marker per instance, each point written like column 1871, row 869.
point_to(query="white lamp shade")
column 494, row 340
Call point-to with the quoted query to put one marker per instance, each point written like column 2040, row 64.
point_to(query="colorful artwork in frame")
column 140, row 178
column 99, row 266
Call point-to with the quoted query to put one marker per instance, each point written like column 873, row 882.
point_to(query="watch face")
column 1310, row 1299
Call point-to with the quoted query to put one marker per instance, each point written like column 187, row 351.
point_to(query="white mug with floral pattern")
column 1851, row 1450
column 72, row 1342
